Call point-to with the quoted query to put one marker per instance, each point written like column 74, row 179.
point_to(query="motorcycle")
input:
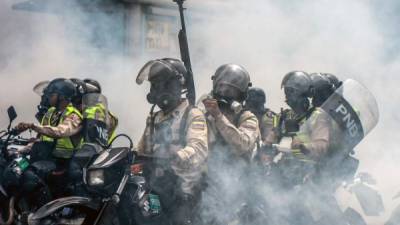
column 99, row 177
column 154, row 194
column 13, row 162
column 107, row 181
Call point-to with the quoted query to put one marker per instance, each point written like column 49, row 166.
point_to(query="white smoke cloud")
column 352, row 39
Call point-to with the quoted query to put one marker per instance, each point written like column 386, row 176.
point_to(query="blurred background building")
column 130, row 27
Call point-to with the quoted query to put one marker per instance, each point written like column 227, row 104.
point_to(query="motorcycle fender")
column 57, row 204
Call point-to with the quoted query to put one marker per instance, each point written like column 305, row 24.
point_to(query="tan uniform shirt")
column 266, row 123
column 71, row 126
column 318, row 130
column 192, row 157
column 241, row 137
column 274, row 135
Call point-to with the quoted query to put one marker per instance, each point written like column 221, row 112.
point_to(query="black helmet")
column 231, row 81
column 86, row 86
column 333, row 79
column 178, row 66
column 297, row 85
column 62, row 87
column 297, row 80
column 80, row 88
column 167, row 78
column 92, row 86
column 321, row 89
column 255, row 100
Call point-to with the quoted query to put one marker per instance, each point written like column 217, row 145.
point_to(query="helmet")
column 62, row 87
column 92, row 86
column 255, row 100
column 162, row 69
column 333, row 79
column 321, row 89
column 178, row 66
column 297, row 80
column 231, row 81
column 256, row 95
column 167, row 78
column 86, row 86
column 297, row 85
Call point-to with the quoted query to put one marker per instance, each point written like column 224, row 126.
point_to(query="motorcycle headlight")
column 96, row 177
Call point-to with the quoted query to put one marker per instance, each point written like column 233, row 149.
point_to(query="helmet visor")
column 227, row 91
column 152, row 69
column 40, row 87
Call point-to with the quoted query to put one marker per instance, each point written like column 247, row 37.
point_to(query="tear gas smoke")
column 352, row 39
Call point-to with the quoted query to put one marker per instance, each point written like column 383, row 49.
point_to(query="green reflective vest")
column 304, row 134
column 113, row 128
column 64, row 146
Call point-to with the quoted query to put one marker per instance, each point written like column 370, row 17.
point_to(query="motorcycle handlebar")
column 12, row 132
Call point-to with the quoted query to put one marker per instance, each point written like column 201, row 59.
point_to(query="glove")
column 21, row 127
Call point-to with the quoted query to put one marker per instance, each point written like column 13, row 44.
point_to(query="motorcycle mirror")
column 12, row 114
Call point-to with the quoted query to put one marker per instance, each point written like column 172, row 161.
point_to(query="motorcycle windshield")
column 39, row 87
column 95, row 106
column 353, row 111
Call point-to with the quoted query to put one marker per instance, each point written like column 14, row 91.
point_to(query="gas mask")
column 41, row 89
column 43, row 106
column 297, row 101
column 166, row 94
column 227, row 104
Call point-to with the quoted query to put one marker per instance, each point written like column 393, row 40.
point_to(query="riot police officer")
column 233, row 133
column 62, row 122
column 175, row 137
column 60, row 135
column 230, row 124
column 312, row 138
column 310, row 144
column 337, row 164
column 93, row 86
column 255, row 103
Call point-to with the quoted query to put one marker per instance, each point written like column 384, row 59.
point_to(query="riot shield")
column 354, row 110
column 96, row 119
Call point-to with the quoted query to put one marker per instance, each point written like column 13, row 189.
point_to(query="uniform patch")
column 249, row 126
column 251, row 121
column 198, row 125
